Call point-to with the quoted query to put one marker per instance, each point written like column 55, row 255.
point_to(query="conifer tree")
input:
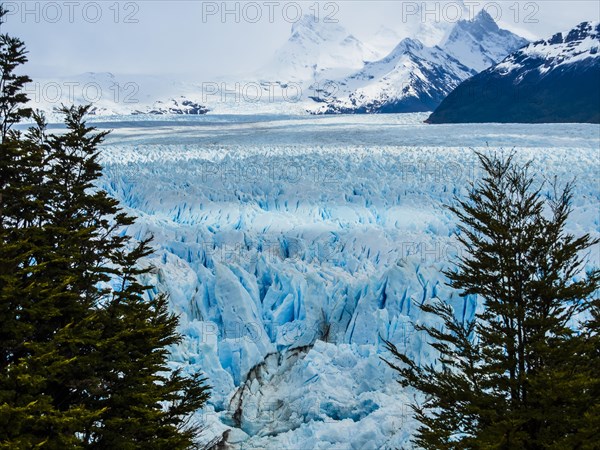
column 15, row 166
column 84, row 346
column 523, row 374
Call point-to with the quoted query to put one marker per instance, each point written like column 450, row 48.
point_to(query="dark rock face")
column 551, row 81
column 181, row 106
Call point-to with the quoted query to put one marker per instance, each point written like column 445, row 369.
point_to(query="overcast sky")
column 196, row 39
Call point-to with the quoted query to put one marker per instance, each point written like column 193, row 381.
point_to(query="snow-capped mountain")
column 112, row 94
column 480, row 43
column 321, row 68
column 416, row 23
column 109, row 93
column 317, row 49
column 415, row 78
column 426, row 21
column 553, row 80
column 411, row 78
column 178, row 106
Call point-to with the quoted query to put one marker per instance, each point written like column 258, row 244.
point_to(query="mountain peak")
column 481, row 24
column 315, row 49
column 309, row 24
column 480, row 43
column 580, row 32
column 577, row 44
column 483, row 17
column 311, row 28
column 583, row 30
column 406, row 45
column 307, row 21
column 557, row 81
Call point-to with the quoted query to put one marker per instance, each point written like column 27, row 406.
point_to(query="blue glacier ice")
column 291, row 247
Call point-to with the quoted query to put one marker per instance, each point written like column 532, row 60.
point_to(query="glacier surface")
column 291, row 246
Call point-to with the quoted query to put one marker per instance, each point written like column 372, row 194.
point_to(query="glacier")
column 291, row 246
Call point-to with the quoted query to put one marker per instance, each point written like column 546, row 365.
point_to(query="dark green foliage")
column 519, row 376
column 12, row 55
column 83, row 349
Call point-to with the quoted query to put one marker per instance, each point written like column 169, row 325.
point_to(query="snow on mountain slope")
column 480, row 43
column 291, row 246
column 320, row 61
column 317, row 49
column 385, row 39
column 317, row 46
column 114, row 94
column 411, row 78
column 570, row 47
column 431, row 22
column 553, row 80
column 177, row 106
column 414, row 77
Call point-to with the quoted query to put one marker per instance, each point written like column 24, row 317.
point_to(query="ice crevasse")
column 286, row 281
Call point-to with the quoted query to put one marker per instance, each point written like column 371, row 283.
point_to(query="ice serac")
column 289, row 261
column 553, row 80
column 415, row 77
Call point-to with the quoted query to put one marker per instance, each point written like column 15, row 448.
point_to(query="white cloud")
column 188, row 38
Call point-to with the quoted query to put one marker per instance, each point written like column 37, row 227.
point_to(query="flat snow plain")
column 291, row 246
